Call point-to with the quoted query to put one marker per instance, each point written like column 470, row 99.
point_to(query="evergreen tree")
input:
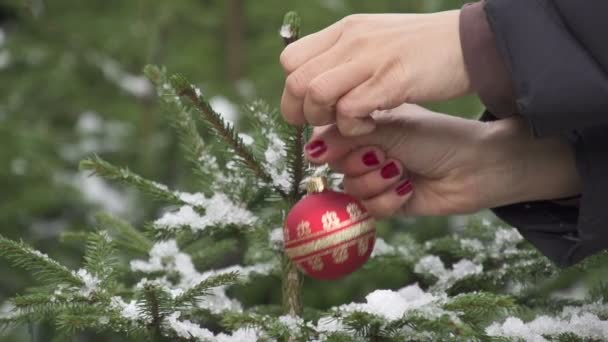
column 159, row 282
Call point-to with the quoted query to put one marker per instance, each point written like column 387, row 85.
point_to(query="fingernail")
column 370, row 158
column 390, row 170
column 404, row 188
column 316, row 148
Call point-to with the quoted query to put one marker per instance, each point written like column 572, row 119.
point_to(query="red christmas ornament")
column 328, row 234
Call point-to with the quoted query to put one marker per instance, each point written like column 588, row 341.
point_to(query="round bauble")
column 329, row 234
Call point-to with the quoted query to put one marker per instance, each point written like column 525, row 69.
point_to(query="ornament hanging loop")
column 316, row 185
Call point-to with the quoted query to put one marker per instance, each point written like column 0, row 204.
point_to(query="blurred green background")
column 71, row 85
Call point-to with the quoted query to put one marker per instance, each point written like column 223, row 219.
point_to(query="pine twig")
column 106, row 170
column 203, row 287
column 42, row 267
column 180, row 119
column 185, row 89
column 154, row 309
column 100, row 257
column 126, row 235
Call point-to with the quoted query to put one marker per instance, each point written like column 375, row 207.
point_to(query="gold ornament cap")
column 316, row 185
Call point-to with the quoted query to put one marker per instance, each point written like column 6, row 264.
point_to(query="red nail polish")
column 316, row 148
column 389, row 170
column 370, row 158
column 404, row 188
column 318, row 152
column 314, row 145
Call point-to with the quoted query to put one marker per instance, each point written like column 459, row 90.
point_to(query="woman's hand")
column 419, row 162
column 369, row 62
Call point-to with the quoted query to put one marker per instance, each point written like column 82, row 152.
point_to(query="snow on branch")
column 166, row 257
column 580, row 321
column 219, row 211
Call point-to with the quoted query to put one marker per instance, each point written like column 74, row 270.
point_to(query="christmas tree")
column 159, row 282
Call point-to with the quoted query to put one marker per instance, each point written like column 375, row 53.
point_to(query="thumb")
column 355, row 126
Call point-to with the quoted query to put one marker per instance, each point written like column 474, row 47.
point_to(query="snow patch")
column 186, row 329
column 433, row 265
column 90, row 282
column 225, row 108
column 246, row 138
column 393, row 304
column 286, row 31
column 219, row 210
column 276, row 156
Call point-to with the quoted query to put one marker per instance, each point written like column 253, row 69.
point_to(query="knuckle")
column 317, row 91
column 296, row 84
column 352, row 20
column 345, row 107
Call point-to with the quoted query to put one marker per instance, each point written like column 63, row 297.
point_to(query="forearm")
column 523, row 168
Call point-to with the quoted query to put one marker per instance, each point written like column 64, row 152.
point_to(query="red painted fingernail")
column 316, row 148
column 314, row 144
column 389, row 170
column 404, row 188
column 370, row 158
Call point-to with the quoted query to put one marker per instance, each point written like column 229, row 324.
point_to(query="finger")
column 355, row 126
column 328, row 87
column 306, row 48
column 327, row 145
column 390, row 202
column 291, row 109
column 375, row 182
column 360, row 161
column 370, row 96
column 298, row 83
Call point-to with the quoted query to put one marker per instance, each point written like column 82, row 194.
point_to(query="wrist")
column 521, row 168
column 460, row 79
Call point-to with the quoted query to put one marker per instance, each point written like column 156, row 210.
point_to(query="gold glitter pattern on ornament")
column 354, row 211
column 345, row 223
column 330, row 251
column 303, row 229
column 362, row 245
column 330, row 220
column 351, row 233
column 340, row 254
column 316, row 263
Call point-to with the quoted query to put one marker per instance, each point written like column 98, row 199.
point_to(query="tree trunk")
column 235, row 32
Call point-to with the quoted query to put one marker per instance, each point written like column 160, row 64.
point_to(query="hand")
column 369, row 62
column 419, row 162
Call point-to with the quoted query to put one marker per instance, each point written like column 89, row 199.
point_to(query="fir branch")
column 181, row 120
column 156, row 304
column 75, row 237
column 290, row 31
column 190, row 296
column 42, row 306
column 185, row 89
column 481, row 307
column 124, row 234
column 13, row 320
column 42, row 267
column 106, row 170
column 100, row 257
